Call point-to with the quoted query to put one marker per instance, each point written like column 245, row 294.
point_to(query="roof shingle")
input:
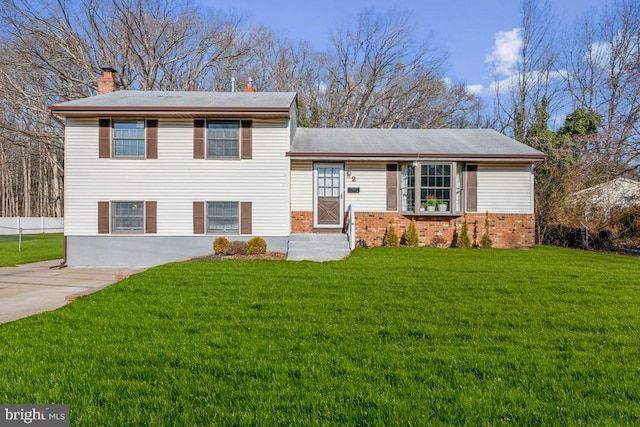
column 338, row 142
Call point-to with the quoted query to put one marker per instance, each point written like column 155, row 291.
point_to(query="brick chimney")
column 107, row 83
column 249, row 87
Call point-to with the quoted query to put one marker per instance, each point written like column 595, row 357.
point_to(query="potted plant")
column 430, row 203
column 442, row 205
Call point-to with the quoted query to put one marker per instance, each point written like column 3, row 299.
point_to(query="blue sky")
column 469, row 30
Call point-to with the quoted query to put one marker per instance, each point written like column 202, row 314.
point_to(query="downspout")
column 63, row 264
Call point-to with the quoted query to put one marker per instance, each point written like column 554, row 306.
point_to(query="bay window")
column 428, row 188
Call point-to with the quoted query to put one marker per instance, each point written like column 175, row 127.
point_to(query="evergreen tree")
column 486, row 241
column 411, row 237
column 463, row 240
column 391, row 238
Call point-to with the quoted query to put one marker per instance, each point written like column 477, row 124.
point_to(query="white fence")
column 31, row 225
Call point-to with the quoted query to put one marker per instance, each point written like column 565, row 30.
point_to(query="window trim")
column 114, row 139
column 107, row 139
column 452, row 209
column 112, row 218
column 238, row 139
column 201, row 140
column 238, row 219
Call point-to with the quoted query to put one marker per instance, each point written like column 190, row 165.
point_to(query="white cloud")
column 505, row 85
column 601, row 53
column 506, row 51
column 475, row 89
column 535, row 78
column 472, row 89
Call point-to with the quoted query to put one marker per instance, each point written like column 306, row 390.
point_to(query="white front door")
column 328, row 202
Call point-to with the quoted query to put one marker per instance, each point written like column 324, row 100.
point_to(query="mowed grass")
column 34, row 247
column 389, row 337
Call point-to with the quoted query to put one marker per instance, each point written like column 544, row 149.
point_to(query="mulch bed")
column 268, row 255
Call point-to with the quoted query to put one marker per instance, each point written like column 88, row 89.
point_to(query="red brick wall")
column 301, row 222
column 505, row 230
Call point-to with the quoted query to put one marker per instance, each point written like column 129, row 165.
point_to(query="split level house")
column 152, row 177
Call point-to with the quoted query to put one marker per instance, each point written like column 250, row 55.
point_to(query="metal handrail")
column 351, row 228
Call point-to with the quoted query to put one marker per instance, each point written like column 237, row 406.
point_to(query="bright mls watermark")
column 34, row 415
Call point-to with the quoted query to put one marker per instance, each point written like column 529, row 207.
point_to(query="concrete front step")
column 318, row 247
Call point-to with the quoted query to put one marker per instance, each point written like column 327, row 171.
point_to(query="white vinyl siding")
column 371, row 179
column 302, row 186
column 175, row 180
column 505, row 188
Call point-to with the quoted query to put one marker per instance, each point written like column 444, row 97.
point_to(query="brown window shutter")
column 104, row 219
column 198, row 139
column 151, row 217
column 245, row 218
column 104, row 138
column 198, row 217
column 152, row 139
column 246, row 140
column 472, row 188
column 392, row 187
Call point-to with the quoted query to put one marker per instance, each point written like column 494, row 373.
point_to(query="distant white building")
column 617, row 193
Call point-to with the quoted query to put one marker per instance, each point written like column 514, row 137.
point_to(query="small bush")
column 257, row 245
column 463, row 240
column 411, row 237
column 391, row 238
column 220, row 245
column 485, row 241
column 237, row 247
column 438, row 242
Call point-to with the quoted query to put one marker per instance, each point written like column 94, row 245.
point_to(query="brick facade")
column 506, row 230
column 301, row 222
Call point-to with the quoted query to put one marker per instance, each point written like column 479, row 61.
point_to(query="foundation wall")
column 505, row 230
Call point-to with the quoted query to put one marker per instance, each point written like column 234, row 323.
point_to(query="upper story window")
column 223, row 138
column 128, row 138
column 431, row 188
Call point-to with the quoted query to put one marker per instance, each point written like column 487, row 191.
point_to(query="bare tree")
column 534, row 76
column 603, row 75
column 378, row 76
column 52, row 52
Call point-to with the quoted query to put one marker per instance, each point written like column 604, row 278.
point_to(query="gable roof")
column 620, row 192
column 455, row 144
column 180, row 104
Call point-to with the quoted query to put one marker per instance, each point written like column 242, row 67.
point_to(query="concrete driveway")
column 33, row 288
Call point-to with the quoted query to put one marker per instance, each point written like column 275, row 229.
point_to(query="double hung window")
column 223, row 139
column 223, row 217
column 431, row 188
column 128, row 138
column 127, row 217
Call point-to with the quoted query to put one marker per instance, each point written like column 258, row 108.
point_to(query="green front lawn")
column 34, row 247
column 389, row 337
